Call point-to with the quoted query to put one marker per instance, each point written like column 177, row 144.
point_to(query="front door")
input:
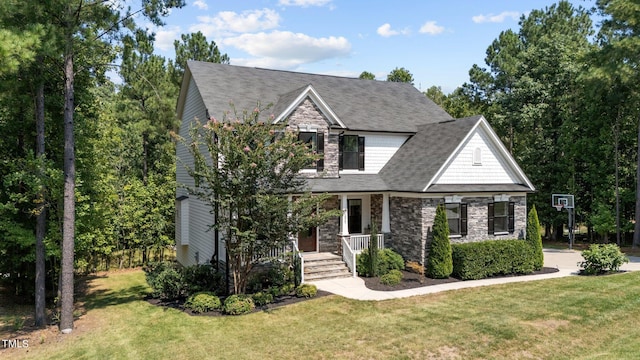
column 355, row 216
column 307, row 240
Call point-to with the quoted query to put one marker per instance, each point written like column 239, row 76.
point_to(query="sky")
column 438, row 41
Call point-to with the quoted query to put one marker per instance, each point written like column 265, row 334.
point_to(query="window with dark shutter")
column 351, row 152
column 310, row 139
column 500, row 217
column 511, row 217
column 490, row 218
column 463, row 219
column 457, row 218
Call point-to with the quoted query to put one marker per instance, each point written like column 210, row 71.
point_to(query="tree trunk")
column 69, row 203
column 41, row 219
column 636, row 231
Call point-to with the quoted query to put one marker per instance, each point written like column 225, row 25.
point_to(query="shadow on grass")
column 102, row 298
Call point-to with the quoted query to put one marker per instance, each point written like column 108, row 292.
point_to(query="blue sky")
column 437, row 41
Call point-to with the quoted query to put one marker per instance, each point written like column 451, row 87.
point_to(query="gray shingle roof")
column 417, row 161
column 348, row 183
column 365, row 105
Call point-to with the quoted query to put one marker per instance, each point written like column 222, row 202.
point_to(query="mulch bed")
column 279, row 301
column 411, row 280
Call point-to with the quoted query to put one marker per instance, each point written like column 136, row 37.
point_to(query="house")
column 391, row 156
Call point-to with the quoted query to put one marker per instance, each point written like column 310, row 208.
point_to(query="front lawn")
column 568, row 318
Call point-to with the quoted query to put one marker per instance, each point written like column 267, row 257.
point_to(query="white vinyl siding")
column 182, row 221
column 193, row 109
column 378, row 150
column 466, row 169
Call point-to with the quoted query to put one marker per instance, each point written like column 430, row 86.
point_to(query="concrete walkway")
column 566, row 261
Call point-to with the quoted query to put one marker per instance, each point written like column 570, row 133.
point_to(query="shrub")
column 238, row 304
column 387, row 261
column 439, row 261
column 534, row 238
column 262, row 298
column 199, row 278
column 488, row 258
column 306, row 290
column 393, row 277
column 278, row 274
column 165, row 281
column 414, row 267
column 372, row 263
column 600, row 258
column 202, row 302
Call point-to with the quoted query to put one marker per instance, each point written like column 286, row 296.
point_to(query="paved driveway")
column 569, row 259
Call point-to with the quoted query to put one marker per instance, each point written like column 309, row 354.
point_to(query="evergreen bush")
column 439, row 261
column 306, row 290
column 262, row 298
column 387, row 261
column 200, row 278
column 392, row 278
column 600, row 258
column 203, row 302
column 238, row 304
column 479, row 260
column 165, row 281
column 373, row 251
column 534, row 238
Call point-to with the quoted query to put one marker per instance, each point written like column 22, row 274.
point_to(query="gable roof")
column 362, row 105
column 426, row 155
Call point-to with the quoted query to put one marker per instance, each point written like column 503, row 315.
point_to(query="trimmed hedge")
column 239, row 304
column 479, row 260
column 392, row 278
column 203, row 302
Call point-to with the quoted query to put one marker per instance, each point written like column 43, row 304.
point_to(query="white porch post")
column 344, row 218
column 386, row 227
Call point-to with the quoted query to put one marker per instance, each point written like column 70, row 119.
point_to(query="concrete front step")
column 320, row 266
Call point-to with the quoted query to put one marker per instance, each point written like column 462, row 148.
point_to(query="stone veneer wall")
column 376, row 210
column 477, row 220
column 309, row 114
column 407, row 236
column 327, row 241
column 412, row 221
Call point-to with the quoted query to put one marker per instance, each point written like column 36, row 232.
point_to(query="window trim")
column 361, row 152
column 462, row 219
column 510, row 218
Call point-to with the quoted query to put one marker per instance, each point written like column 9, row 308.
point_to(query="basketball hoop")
column 558, row 207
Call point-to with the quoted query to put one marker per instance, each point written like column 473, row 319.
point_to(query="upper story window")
column 315, row 142
column 477, row 156
column 351, row 152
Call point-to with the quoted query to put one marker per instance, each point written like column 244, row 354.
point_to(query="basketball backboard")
column 562, row 201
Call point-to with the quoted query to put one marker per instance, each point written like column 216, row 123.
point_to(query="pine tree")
column 373, row 250
column 534, row 238
column 439, row 261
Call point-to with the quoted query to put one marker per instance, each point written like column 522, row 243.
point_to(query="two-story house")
column 390, row 155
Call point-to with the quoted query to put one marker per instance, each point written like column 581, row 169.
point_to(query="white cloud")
column 200, row 4
column 229, row 22
column 304, row 3
column 479, row 19
column 385, row 30
column 165, row 37
column 431, row 28
column 284, row 49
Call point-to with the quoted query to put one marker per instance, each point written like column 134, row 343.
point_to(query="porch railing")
column 349, row 257
column 361, row 242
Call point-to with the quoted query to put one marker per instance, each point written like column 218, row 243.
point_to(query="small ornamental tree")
column 534, row 238
column 439, row 261
column 373, row 250
column 247, row 168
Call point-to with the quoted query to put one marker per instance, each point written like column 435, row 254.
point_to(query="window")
column 351, row 152
column 477, row 156
column 501, row 217
column 315, row 142
column 457, row 218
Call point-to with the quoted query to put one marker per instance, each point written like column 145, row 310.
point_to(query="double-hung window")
column 351, row 152
column 315, row 142
column 501, row 217
column 457, row 218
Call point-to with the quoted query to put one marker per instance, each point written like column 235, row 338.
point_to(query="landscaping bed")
column 411, row 280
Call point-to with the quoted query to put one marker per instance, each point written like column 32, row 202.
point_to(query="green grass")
column 568, row 318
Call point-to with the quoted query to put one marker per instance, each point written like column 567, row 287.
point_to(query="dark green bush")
column 488, row 258
column 277, row 274
column 600, row 258
column 393, row 277
column 199, row 278
column 306, row 290
column 387, row 261
column 202, row 302
column 238, row 304
column 439, row 261
column 372, row 261
column 534, row 238
column 262, row 298
column 165, row 281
